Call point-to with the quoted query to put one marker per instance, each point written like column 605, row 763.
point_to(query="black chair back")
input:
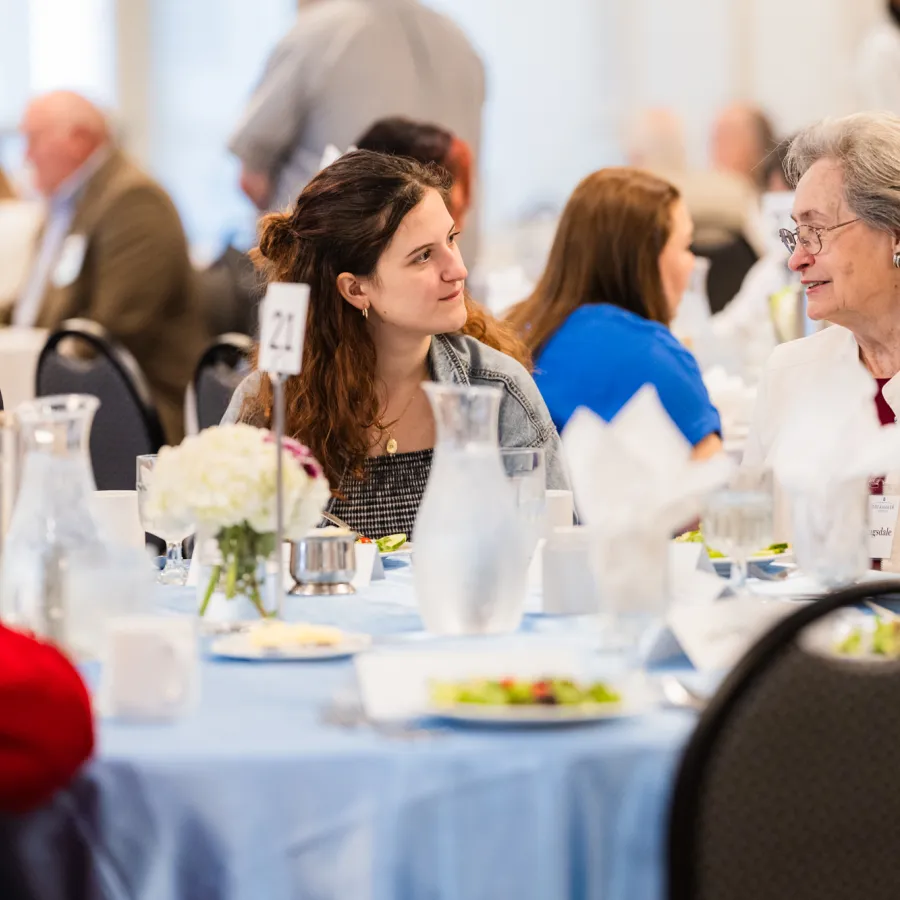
column 787, row 789
column 224, row 364
column 82, row 358
column 14, row 882
column 729, row 262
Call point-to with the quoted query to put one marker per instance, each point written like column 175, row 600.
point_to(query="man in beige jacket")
column 112, row 249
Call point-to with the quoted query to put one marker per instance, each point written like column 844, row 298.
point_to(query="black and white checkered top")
column 387, row 500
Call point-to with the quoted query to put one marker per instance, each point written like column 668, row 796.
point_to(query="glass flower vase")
column 233, row 568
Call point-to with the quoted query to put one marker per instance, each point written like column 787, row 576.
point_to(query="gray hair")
column 867, row 146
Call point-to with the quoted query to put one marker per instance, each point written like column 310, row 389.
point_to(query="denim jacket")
column 460, row 359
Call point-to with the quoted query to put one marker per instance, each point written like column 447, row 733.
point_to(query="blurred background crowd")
column 141, row 139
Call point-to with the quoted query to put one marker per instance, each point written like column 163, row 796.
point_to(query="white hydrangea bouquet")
column 223, row 480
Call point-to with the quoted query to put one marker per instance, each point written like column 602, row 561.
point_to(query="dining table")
column 266, row 791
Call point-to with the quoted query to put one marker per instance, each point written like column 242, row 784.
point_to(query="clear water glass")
column 172, row 532
column 738, row 521
column 830, row 529
column 526, row 472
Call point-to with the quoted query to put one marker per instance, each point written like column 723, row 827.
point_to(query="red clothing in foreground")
column 46, row 726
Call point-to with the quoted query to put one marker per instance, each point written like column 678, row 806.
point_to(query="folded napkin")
column 635, row 483
column 831, row 433
column 733, row 399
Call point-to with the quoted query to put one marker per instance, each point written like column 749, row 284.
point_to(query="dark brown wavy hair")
column 606, row 250
column 342, row 222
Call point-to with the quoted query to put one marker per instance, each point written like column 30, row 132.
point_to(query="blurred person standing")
column 344, row 65
column 112, row 250
column 878, row 63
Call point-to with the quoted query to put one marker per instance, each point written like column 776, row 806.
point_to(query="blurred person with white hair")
column 878, row 62
column 742, row 139
column 344, row 65
column 112, row 249
column 746, row 329
column 723, row 205
column 846, row 249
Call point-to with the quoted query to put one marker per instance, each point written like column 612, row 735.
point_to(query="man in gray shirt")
column 345, row 64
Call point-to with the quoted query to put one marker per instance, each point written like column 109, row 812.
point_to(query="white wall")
column 795, row 58
column 552, row 105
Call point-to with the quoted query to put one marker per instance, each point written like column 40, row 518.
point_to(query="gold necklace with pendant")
column 391, row 446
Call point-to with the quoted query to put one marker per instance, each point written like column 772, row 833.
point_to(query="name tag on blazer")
column 71, row 259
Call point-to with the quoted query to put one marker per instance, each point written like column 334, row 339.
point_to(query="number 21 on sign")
column 283, row 328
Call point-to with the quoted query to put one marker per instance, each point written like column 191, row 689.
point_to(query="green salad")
column 696, row 537
column 522, row 692
column 386, row 544
column 883, row 641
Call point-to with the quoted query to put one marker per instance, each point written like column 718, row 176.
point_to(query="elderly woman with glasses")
column 846, row 248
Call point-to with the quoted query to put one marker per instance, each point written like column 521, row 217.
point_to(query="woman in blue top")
column 598, row 320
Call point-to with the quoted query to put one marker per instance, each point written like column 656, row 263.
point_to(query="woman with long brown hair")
column 598, row 320
column 372, row 237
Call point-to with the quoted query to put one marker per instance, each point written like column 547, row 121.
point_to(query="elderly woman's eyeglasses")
column 809, row 237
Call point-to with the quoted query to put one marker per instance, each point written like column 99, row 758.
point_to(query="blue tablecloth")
column 253, row 797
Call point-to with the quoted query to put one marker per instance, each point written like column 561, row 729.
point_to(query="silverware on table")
column 679, row 695
column 337, row 520
column 882, row 611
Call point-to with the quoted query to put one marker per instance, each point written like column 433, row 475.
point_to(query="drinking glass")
column 171, row 531
column 830, row 528
column 737, row 520
column 526, row 471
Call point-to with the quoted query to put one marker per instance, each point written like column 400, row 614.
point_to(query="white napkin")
column 635, row 474
column 635, row 483
column 733, row 399
column 831, row 433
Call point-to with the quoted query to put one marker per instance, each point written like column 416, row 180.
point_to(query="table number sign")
column 282, row 332
column 283, row 328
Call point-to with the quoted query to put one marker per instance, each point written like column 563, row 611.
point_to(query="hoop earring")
column 365, row 311
column 897, row 260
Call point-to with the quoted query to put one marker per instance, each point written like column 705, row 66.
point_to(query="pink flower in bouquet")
column 301, row 453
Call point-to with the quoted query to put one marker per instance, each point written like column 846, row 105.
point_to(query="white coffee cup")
column 569, row 583
column 116, row 514
column 150, row 667
column 560, row 510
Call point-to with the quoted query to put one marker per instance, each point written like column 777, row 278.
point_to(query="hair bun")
column 278, row 240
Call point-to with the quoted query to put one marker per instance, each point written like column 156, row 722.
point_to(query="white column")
column 133, row 77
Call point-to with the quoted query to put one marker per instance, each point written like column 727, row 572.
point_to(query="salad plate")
column 513, row 702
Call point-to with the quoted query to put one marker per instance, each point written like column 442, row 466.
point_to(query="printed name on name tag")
column 882, row 524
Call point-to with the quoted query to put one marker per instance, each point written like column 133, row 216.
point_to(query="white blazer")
column 796, row 367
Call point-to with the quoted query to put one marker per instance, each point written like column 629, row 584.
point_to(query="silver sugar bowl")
column 323, row 564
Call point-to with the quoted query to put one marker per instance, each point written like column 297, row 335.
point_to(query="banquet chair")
column 221, row 369
column 14, row 884
column 787, row 789
column 729, row 262
column 82, row 358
